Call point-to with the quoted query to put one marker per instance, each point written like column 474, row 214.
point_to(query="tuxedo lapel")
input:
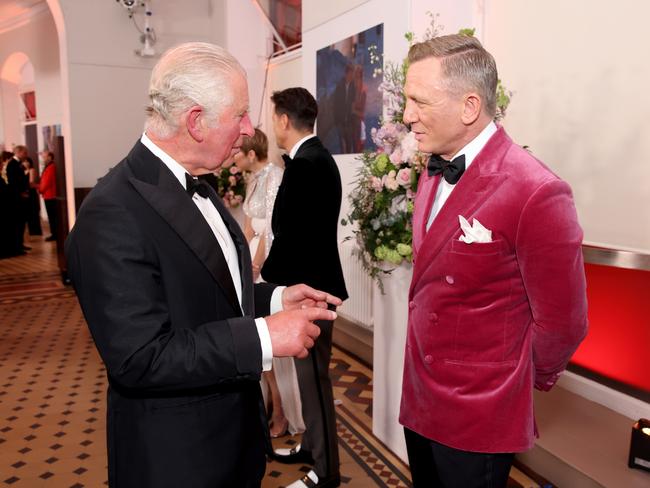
column 168, row 198
column 426, row 194
column 477, row 185
column 243, row 253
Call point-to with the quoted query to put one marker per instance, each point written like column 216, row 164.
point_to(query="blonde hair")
column 466, row 65
column 193, row 73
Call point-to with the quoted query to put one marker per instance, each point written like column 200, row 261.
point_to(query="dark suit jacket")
column 183, row 362
column 305, row 223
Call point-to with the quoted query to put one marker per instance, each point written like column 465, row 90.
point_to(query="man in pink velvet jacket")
column 497, row 304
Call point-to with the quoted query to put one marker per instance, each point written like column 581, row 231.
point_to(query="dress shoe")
column 295, row 455
column 311, row 480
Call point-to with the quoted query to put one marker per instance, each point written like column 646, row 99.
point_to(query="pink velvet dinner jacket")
column 488, row 321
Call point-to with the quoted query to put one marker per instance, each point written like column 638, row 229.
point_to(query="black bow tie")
column 195, row 185
column 451, row 170
column 287, row 159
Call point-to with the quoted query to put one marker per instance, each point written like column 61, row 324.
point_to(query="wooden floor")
column 53, row 391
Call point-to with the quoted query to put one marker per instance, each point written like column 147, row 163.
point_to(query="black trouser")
column 434, row 465
column 318, row 403
column 50, row 208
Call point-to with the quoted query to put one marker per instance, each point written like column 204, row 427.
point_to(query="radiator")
column 358, row 307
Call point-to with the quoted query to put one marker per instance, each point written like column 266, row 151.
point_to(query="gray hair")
column 193, row 73
column 466, row 65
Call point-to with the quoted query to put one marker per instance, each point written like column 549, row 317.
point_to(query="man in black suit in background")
column 305, row 250
column 18, row 184
column 164, row 278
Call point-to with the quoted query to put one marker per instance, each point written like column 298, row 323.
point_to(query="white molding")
column 24, row 18
column 596, row 392
column 286, row 57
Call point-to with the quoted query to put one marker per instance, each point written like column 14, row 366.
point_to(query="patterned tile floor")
column 52, row 394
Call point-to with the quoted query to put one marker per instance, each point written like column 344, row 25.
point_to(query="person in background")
column 33, row 202
column 497, row 302
column 47, row 189
column 18, row 183
column 163, row 275
column 8, row 242
column 305, row 249
column 264, row 179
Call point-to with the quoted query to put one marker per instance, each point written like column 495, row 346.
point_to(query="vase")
column 390, row 314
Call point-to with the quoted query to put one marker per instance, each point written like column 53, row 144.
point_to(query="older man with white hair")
column 164, row 279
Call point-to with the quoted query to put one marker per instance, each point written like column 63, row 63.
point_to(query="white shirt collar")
column 178, row 171
column 296, row 146
column 474, row 147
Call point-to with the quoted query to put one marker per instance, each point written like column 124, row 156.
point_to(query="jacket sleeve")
column 115, row 271
column 549, row 252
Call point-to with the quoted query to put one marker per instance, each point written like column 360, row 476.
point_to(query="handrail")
column 616, row 257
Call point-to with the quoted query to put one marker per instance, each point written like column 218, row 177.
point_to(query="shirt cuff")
column 265, row 343
column 276, row 300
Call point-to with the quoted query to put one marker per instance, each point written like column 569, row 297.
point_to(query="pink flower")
column 396, row 157
column 234, row 170
column 376, row 183
column 404, row 177
column 232, row 181
column 390, row 182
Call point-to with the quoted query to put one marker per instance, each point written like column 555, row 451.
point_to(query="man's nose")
column 247, row 126
column 409, row 114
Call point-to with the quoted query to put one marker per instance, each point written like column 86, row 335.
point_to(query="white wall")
column 284, row 72
column 108, row 82
column 38, row 40
column 580, row 76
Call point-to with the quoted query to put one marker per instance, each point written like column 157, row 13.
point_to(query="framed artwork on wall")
column 348, row 75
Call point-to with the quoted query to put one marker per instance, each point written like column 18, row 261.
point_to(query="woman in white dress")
column 280, row 385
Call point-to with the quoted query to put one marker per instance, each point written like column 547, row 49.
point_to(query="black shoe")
column 295, row 455
column 50, row 239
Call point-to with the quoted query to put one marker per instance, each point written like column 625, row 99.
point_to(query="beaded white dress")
column 261, row 191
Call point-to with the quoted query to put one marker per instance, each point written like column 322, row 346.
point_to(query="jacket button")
column 411, row 305
column 428, row 359
column 433, row 316
column 449, row 279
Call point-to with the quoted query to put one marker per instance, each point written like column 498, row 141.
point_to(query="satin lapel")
column 174, row 205
column 243, row 253
column 473, row 190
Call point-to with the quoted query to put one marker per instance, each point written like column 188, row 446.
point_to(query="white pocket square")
column 475, row 232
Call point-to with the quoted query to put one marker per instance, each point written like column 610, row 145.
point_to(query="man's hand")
column 302, row 296
column 293, row 332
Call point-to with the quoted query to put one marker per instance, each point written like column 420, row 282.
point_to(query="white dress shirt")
column 220, row 231
column 470, row 151
column 296, row 146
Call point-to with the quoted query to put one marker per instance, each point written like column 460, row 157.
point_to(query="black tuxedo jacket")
column 183, row 361
column 305, row 223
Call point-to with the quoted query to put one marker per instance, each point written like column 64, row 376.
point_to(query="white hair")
column 193, row 73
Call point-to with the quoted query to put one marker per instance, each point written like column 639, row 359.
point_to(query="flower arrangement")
column 383, row 198
column 231, row 185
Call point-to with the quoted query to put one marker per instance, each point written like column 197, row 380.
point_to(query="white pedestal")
column 390, row 313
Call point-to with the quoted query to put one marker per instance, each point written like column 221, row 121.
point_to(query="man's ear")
column 472, row 106
column 284, row 121
column 195, row 123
